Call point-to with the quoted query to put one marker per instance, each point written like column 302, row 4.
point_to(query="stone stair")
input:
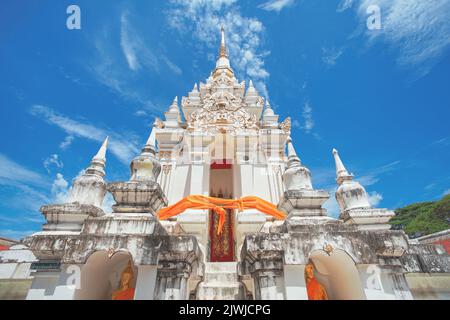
column 221, row 282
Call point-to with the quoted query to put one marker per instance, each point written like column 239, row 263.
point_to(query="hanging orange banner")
column 219, row 205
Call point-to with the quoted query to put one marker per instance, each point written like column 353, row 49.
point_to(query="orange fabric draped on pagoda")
column 219, row 205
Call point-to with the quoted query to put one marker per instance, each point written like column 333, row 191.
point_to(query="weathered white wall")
column 145, row 283
column 426, row 286
column 294, row 278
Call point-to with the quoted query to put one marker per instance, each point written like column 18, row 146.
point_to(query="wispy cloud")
column 53, row 161
column 276, row 5
column 24, row 190
column 374, row 198
column 419, row 30
column 203, row 19
column 137, row 51
column 307, row 117
column 123, row 145
column 344, row 5
column 60, row 189
column 128, row 43
column 66, row 143
column 172, row 66
column 12, row 173
column 373, row 176
column 331, row 55
column 106, row 72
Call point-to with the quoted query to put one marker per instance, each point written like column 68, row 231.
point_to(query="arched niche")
column 338, row 274
column 100, row 276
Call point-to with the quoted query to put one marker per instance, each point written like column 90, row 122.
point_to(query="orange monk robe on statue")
column 316, row 290
column 127, row 294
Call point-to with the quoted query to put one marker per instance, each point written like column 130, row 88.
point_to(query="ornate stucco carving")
column 222, row 112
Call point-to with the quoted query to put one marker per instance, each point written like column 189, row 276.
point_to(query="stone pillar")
column 269, row 280
column 146, row 282
column 171, row 281
column 295, row 282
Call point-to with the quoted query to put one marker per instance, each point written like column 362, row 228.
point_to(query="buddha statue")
column 315, row 290
column 125, row 290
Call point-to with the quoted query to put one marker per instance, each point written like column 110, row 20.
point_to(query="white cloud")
column 203, row 19
column 446, row 192
column 419, row 30
column 107, row 70
column 172, row 66
column 430, row 186
column 344, row 5
column 123, row 145
column 25, row 198
column 140, row 113
column 136, row 51
column 373, row 176
column 53, row 161
column 375, row 198
column 108, row 202
column 12, row 173
column 331, row 55
column 60, row 189
column 276, row 5
column 127, row 44
column 66, row 143
column 296, row 124
column 307, row 117
column 21, row 189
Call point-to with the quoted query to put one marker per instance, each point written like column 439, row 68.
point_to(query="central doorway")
column 221, row 186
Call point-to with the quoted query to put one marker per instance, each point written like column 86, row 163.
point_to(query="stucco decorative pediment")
column 222, row 112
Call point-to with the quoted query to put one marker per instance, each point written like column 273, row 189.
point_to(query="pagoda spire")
column 222, row 61
column 101, row 154
column 146, row 166
column 98, row 162
column 174, row 106
column 269, row 118
column 173, row 115
column 296, row 176
column 291, row 149
column 151, row 142
column 341, row 172
column 90, row 187
column 223, row 48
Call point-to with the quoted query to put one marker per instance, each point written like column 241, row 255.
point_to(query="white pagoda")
column 221, row 141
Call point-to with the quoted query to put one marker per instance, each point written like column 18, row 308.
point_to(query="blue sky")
column 381, row 97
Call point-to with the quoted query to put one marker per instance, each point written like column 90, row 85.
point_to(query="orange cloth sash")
column 218, row 206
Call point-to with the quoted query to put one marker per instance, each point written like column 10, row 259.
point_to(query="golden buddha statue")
column 125, row 290
column 315, row 290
